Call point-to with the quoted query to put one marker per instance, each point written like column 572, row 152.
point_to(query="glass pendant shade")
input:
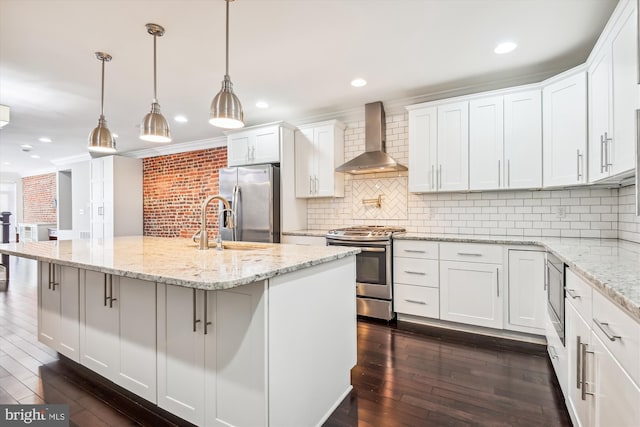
column 226, row 110
column 100, row 138
column 154, row 126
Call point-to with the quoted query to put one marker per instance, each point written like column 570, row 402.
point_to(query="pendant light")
column 226, row 110
column 100, row 139
column 154, row 127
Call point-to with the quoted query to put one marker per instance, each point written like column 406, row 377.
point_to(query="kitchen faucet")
column 204, row 238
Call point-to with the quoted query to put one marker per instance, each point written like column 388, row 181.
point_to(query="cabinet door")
column 324, row 164
column 136, row 306
column 471, row 293
column 523, row 140
column 69, row 290
column 617, row 396
column 599, row 115
column 565, row 131
column 423, row 149
column 578, row 334
column 49, row 307
column 181, row 353
column 453, row 146
column 304, row 162
column 99, row 324
column 265, row 145
column 238, row 150
column 527, row 291
column 486, row 138
column 624, row 59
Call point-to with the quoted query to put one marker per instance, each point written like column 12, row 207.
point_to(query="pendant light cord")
column 155, row 86
column 102, row 93
column 227, row 69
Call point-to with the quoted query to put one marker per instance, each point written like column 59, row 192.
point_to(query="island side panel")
column 312, row 342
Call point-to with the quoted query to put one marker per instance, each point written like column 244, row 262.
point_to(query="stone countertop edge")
column 195, row 284
column 607, row 287
column 309, row 233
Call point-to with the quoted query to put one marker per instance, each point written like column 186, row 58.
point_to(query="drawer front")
column 579, row 294
column 471, row 252
column 417, row 300
column 619, row 333
column 414, row 271
column 415, row 249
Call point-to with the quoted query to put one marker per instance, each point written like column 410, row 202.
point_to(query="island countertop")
column 177, row 261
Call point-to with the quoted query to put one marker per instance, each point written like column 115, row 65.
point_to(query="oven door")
column 373, row 268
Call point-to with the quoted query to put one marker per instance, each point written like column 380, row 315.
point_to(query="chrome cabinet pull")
column 509, row 173
column 440, row 177
column 546, row 273
column 310, row 185
column 607, row 151
column 415, row 272
column 498, row 173
column 572, row 294
column 433, row 167
column 602, row 154
column 413, row 301
column 206, row 321
column 111, row 298
column 578, row 364
column 417, row 251
column 195, row 318
column 105, row 290
column 469, row 254
column 584, row 372
column 53, row 275
column 498, row 281
column 49, row 265
column 578, row 159
column 606, row 329
column 316, row 185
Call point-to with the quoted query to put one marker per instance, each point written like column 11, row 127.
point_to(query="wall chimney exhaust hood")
column 374, row 159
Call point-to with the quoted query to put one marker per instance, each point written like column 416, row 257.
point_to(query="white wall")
column 81, row 191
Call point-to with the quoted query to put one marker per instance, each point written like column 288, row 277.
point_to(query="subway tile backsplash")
column 578, row 212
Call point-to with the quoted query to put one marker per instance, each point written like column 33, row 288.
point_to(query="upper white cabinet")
column 319, row 149
column 255, row 145
column 523, row 140
column 613, row 96
column 439, row 147
column 505, row 141
column 565, row 131
column 116, row 197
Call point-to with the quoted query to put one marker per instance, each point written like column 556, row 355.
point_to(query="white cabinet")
column 255, row 145
column 613, row 97
column 523, row 140
column 416, row 278
column 319, row 149
column 505, row 141
column 565, row 131
column 116, row 197
column 580, row 368
column 117, row 330
column 471, row 292
column 527, row 291
column 439, row 147
column 207, row 363
column 58, row 309
column 486, row 143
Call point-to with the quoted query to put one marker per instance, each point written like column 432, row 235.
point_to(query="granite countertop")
column 610, row 265
column 178, row 261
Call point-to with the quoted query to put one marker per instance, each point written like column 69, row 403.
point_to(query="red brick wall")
column 175, row 186
column 38, row 195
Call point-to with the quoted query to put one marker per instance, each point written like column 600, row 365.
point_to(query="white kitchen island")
column 250, row 336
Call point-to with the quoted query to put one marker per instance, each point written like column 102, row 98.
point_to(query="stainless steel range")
column 374, row 270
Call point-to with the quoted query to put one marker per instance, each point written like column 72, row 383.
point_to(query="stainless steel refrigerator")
column 254, row 195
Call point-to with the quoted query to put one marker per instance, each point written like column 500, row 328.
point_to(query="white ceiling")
column 298, row 55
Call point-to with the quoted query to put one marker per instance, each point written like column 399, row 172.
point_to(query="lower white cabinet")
column 58, row 309
column 117, row 330
column 212, row 372
column 579, row 368
column 527, row 291
column 471, row 293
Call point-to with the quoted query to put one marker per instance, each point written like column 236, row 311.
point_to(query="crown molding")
column 66, row 161
column 183, row 147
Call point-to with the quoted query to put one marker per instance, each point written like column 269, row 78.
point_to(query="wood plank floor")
column 403, row 378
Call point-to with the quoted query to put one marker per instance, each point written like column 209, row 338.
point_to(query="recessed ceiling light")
column 26, row 147
column 44, row 139
column 262, row 104
column 35, row 156
column 505, row 47
column 358, row 82
column 181, row 119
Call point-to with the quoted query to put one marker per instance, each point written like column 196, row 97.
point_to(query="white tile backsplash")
column 579, row 212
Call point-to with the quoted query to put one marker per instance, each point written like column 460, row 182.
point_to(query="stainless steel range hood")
column 374, row 159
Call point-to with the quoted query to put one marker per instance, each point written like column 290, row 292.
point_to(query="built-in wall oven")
column 374, row 268
column 555, row 293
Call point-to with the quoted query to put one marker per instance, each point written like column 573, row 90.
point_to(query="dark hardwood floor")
column 405, row 376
